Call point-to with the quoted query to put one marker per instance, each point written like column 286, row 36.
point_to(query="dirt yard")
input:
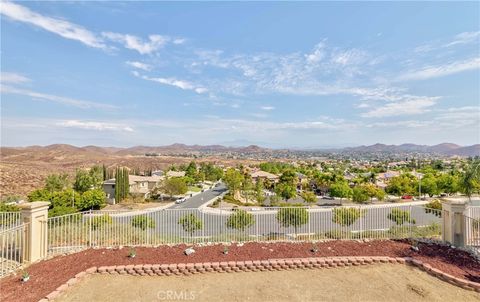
column 382, row 282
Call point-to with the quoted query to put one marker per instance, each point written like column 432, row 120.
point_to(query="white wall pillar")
column 453, row 227
column 35, row 215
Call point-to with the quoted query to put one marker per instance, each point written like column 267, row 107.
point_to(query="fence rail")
column 10, row 219
column 12, row 247
column 170, row 226
column 472, row 232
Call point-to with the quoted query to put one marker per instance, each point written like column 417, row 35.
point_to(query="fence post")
column 90, row 229
column 453, row 224
column 35, row 215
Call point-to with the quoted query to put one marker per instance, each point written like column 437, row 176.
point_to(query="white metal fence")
column 9, row 220
column 12, row 246
column 169, row 226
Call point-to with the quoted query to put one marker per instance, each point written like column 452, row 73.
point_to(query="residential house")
column 256, row 175
column 141, row 185
column 175, row 173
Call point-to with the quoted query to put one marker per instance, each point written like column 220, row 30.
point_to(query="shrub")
column 295, row 217
column 143, row 222
column 240, row 220
column 346, row 216
column 101, row 221
column 61, row 210
column 434, row 207
column 190, row 223
column 92, row 199
column 400, row 217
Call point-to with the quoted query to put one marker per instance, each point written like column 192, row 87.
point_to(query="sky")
column 297, row 75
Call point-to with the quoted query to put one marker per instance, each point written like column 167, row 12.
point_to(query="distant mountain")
column 441, row 149
column 61, row 150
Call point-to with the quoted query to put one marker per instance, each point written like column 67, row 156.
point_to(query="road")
column 266, row 224
column 198, row 200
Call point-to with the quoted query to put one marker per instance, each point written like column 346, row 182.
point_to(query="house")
column 141, row 185
column 384, row 177
column 157, row 173
column 256, row 175
column 175, row 173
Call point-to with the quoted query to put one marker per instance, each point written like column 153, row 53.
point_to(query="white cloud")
column 410, row 106
column 89, row 125
column 184, row 85
column 60, row 27
column 317, row 54
column 178, row 41
column 154, row 43
column 465, row 38
column 268, row 108
column 56, row 99
column 441, row 70
column 14, row 78
column 139, row 65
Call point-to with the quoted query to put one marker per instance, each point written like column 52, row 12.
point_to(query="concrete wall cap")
column 34, row 205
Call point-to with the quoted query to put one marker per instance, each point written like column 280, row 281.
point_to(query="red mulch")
column 46, row 276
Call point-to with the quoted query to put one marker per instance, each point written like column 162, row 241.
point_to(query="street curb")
column 187, row 269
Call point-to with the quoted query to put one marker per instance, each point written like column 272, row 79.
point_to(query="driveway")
column 198, row 200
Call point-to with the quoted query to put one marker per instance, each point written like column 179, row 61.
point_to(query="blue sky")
column 274, row 74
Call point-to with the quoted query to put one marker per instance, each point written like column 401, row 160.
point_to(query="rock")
column 189, row 251
column 415, row 248
column 240, row 244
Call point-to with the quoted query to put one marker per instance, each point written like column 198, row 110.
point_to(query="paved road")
column 320, row 221
column 196, row 201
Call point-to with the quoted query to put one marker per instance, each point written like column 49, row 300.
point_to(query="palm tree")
column 471, row 178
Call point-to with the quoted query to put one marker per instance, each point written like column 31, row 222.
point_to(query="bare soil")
column 46, row 276
column 382, row 282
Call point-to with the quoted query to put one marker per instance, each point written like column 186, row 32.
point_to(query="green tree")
column 402, row 184
column 56, row 182
column 400, row 216
column 65, row 198
column 288, row 177
column 40, row 195
column 87, row 180
column 233, row 179
column 61, row 210
column 92, row 199
column 340, row 189
column 190, row 223
column 191, row 170
column 295, row 217
column 346, row 216
column 286, row 191
column 448, row 183
column 143, row 222
column 470, row 182
column 240, row 220
column 122, row 184
column 259, row 194
column 429, row 185
column 309, row 197
column 175, row 186
column 247, row 186
column 373, row 191
column 359, row 194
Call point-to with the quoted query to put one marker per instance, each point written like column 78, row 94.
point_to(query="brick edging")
column 254, row 266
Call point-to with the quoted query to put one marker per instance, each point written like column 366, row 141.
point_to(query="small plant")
column 25, row 276
column 225, row 250
column 132, row 253
column 314, row 249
